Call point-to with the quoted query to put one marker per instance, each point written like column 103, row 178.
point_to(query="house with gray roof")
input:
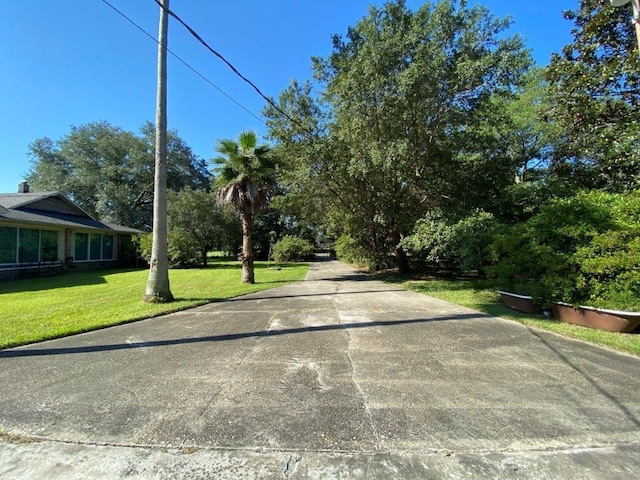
column 45, row 233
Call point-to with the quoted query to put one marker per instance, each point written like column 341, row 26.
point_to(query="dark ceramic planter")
column 522, row 303
column 608, row 320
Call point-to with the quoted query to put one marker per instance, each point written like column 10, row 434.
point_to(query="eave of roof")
column 52, row 219
column 14, row 209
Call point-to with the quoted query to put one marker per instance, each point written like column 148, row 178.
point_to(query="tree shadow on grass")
column 236, row 265
column 64, row 280
column 452, row 281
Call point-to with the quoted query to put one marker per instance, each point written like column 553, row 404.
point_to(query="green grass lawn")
column 480, row 294
column 32, row 310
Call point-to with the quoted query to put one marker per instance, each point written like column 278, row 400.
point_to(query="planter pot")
column 609, row 320
column 522, row 303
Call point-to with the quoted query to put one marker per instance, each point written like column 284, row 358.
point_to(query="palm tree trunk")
column 158, row 282
column 247, row 248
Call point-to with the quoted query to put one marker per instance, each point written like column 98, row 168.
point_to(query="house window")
column 81, row 246
column 29, row 245
column 93, row 246
column 8, row 244
column 107, row 247
column 48, row 246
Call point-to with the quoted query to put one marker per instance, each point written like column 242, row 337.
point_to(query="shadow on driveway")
column 228, row 337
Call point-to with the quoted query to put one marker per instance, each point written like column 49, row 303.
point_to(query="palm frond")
column 245, row 172
column 226, row 146
column 262, row 150
column 248, row 140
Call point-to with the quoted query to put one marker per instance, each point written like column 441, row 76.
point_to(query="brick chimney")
column 23, row 187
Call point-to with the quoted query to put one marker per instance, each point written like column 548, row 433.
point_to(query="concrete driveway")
column 336, row 377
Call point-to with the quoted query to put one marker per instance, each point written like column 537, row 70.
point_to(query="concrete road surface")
column 336, row 377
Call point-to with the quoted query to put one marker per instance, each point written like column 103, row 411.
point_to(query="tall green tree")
column 528, row 138
column 521, row 132
column 197, row 218
column 595, row 90
column 395, row 134
column 109, row 171
column 244, row 177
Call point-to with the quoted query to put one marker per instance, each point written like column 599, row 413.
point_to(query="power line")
column 229, row 64
column 185, row 63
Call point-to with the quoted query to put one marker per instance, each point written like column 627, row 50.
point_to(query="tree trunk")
column 247, row 248
column 401, row 256
column 376, row 250
column 158, row 282
column 204, row 252
column 402, row 261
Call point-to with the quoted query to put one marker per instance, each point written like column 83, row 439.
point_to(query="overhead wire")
column 184, row 62
column 227, row 62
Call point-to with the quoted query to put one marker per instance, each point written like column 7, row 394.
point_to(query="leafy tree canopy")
column 199, row 224
column 595, row 89
column 108, row 171
column 399, row 124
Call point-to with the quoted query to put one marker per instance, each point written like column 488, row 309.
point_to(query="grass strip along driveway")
column 38, row 309
column 480, row 294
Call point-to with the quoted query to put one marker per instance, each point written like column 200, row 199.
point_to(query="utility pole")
column 157, row 290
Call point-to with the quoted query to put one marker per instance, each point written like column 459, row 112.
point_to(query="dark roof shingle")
column 19, row 208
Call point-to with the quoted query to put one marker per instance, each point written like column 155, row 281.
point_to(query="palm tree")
column 245, row 175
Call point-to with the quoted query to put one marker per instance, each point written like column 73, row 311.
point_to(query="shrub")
column 182, row 250
column 143, row 243
column 472, row 239
column 464, row 244
column 431, row 239
column 609, row 274
column 349, row 250
column 580, row 250
column 292, row 249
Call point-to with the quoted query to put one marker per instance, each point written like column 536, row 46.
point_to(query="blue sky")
column 70, row 62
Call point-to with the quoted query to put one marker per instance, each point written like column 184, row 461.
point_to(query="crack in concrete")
column 365, row 400
column 291, row 465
